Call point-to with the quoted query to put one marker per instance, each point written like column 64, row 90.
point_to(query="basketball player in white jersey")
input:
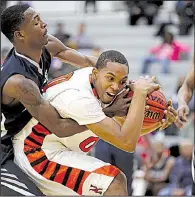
column 59, row 166
column 184, row 96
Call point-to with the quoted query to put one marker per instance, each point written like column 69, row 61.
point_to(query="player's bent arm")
column 186, row 91
column 57, row 49
column 124, row 137
column 27, row 92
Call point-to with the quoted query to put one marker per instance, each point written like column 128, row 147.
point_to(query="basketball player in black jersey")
column 184, row 96
column 23, row 75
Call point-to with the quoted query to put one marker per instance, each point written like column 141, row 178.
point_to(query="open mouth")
column 111, row 95
column 45, row 34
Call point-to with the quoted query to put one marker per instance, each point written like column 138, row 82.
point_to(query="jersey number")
column 88, row 143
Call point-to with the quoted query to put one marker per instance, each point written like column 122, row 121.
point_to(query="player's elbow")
column 59, row 134
column 129, row 149
column 128, row 146
column 67, row 128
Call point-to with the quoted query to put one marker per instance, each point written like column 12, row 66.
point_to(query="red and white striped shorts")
column 57, row 170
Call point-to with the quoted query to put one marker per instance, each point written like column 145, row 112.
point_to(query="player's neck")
column 33, row 54
column 92, row 81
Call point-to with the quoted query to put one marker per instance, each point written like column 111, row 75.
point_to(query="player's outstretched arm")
column 68, row 55
column 27, row 92
column 184, row 96
column 186, row 90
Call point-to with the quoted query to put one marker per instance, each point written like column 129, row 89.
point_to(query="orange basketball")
column 157, row 104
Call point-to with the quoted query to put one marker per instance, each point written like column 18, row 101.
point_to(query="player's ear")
column 95, row 73
column 19, row 35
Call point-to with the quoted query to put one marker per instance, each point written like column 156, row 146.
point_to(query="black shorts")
column 193, row 189
column 14, row 182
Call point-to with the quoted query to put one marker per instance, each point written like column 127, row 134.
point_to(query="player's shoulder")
column 9, row 59
column 84, row 71
column 19, row 82
column 68, row 93
column 14, row 64
column 17, row 79
column 79, row 94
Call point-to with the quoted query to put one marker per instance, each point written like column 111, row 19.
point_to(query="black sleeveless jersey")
column 16, row 117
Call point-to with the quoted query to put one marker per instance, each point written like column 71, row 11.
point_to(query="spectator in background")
column 81, row 40
column 61, row 34
column 142, row 9
column 123, row 160
column 168, row 50
column 90, row 2
column 157, row 173
column 144, row 150
column 185, row 11
column 163, row 27
column 181, row 176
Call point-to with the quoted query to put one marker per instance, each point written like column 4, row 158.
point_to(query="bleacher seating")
column 110, row 31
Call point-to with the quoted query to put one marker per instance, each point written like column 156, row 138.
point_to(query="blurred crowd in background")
column 161, row 164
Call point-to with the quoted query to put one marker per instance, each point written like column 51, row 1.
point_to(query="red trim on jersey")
column 58, row 80
column 92, row 86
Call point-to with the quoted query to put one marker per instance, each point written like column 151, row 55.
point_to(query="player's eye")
column 110, row 78
column 123, row 82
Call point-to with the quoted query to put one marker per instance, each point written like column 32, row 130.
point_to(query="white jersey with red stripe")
column 75, row 99
column 59, row 166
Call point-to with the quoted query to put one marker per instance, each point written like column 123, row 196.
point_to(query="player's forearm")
column 144, row 131
column 75, row 58
column 91, row 60
column 186, row 91
column 68, row 127
column 46, row 114
column 132, row 126
column 185, row 94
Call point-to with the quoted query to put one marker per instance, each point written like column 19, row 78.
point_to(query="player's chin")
column 45, row 40
column 46, row 43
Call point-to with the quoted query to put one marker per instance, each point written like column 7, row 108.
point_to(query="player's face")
column 34, row 29
column 110, row 80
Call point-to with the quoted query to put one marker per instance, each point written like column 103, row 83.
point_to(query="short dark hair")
column 11, row 18
column 170, row 34
column 111, row 56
